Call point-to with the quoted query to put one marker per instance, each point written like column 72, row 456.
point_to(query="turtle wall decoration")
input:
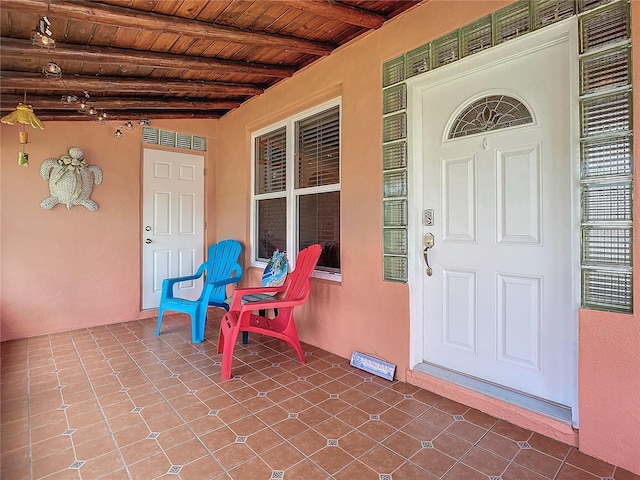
column 70, row 180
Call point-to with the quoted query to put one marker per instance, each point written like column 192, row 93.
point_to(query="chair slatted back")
column 222, row 262
column 299, row 283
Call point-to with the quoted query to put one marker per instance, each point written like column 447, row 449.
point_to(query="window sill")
column 317, row 274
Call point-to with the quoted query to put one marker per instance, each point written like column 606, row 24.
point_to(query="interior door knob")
column 148, row 240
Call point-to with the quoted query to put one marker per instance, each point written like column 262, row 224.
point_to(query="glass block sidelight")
column 395, row 268
column 606, row 246
column 605, row 70
column 394, row 183
column 606, row 157
column 585, row 5
column 394, row 98
column 512, row 22
column 547, row 12
column 606, row 136
column 394, row 155
column 607, row 290
column 395, row 213
column 607, row 202
column 393, row 71
column 604, row 26
column 394, row 127
column 418, row 60
column 445, row 50
column 606, row 114
column 476, row 37
column 395, row 241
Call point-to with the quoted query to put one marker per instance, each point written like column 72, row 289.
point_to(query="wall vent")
column 167, row 138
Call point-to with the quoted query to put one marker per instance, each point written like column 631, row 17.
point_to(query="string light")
column 42, row 36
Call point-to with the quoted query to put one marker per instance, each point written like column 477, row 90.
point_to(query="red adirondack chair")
column 242, row 317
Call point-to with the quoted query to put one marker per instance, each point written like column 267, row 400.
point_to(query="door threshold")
column 548, row 408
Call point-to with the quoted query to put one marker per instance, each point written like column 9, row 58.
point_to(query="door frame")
column 152, row 148
column 415, row 87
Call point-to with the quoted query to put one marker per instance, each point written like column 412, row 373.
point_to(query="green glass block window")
column 394, row 155
column 445, row 50
column 394, row 98
column 606, row 137
column 395, row 241
column 605, row 115
column 607, row 290
column 418, row 60
column 606, row 157
column 476, row 37
column 395, row 183
column 585, row 5
column 395, row 269
column 606, row 246
column 512, row 22
column 394, row 127
column 606, row 202
column 393, row 71
column 605, row 70
column 395, row 213
column 547, row 12
column 604, row 26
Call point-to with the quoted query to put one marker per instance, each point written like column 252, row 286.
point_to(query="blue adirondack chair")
column 220, row 269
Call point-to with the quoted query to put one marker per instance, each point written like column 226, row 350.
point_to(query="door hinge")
column 205, row 172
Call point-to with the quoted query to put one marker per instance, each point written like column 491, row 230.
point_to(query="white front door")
column 501, row 304
column 172, row 222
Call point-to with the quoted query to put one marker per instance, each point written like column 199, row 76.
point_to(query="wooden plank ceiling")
column 146, row 59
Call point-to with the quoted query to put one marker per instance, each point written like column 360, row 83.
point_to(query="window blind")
column 318, row 149
column 271, row 162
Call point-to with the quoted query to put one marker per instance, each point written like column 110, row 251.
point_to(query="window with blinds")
column 271, row 162
column 318, row 149
column 294, row 211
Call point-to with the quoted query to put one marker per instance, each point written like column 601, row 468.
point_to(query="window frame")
column 291, row 194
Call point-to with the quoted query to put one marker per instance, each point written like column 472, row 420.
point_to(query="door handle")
column 147, row 241
column 429, row 242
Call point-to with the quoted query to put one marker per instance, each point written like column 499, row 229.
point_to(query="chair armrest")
column 168, row 283
column 238, row 293
column 269, row 304
column 227, row 281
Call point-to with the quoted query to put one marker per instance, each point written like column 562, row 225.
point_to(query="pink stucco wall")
column 63, row 269
column 67, row 269
column 609, row 346
column 363, row 312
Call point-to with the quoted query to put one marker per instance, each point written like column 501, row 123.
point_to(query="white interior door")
column 501, row 304
column 172, row 222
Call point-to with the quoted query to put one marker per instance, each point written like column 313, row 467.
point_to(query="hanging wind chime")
column 23, row 114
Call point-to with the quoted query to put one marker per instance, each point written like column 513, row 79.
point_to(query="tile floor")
column 117, row 402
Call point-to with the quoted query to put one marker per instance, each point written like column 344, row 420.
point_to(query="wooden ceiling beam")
column 337, row 11
column 13, row 48
column 41, row 102
column 127, row 17
column 37, row 82
column 63, row 116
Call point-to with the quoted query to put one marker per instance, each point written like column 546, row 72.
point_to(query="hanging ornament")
column 23, row 114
